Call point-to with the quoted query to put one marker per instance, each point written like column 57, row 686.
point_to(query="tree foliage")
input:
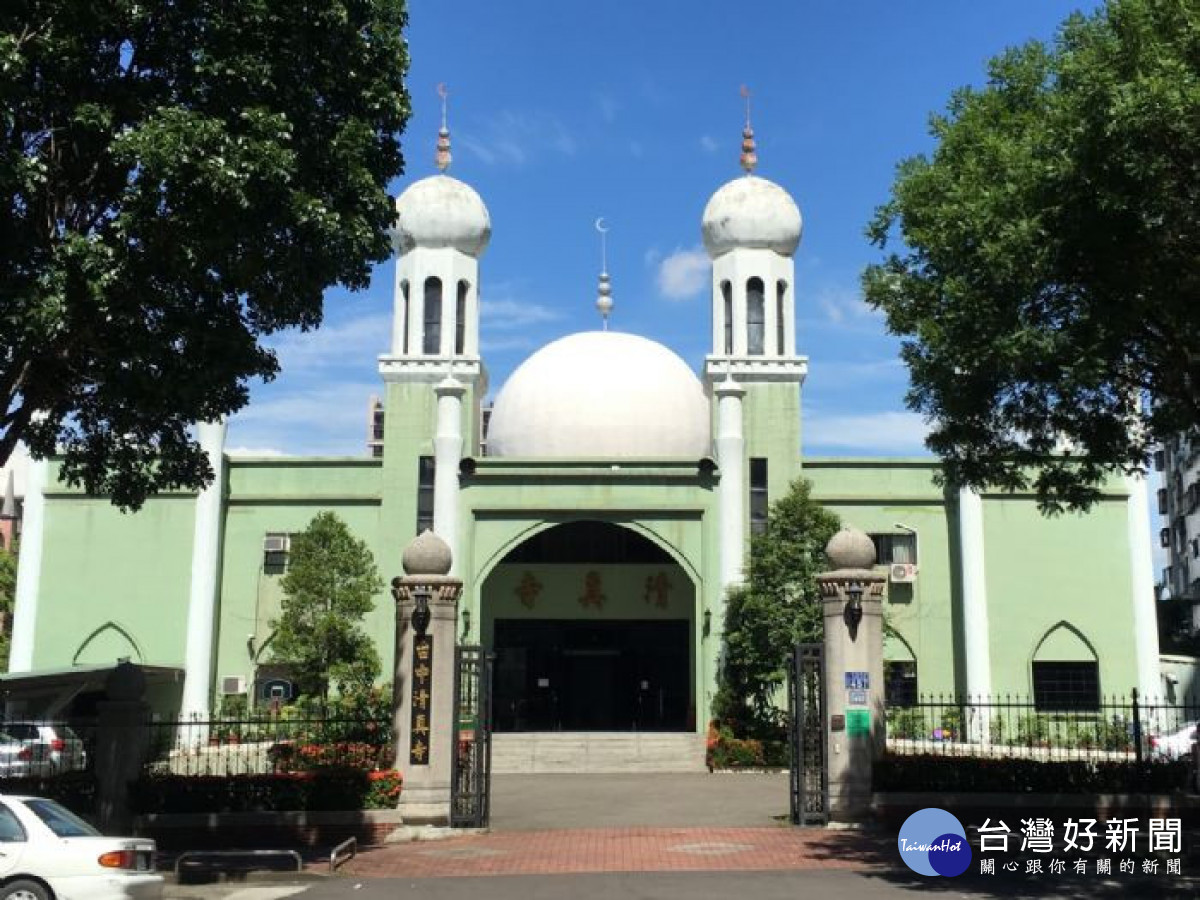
column 329, row 586
column 8, row 593
column 1048, row 282
column 179, row 180
column 777, row 606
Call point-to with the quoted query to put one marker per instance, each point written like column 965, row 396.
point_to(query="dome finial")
column 749, row 152
column 442, row 157
column 604, row 301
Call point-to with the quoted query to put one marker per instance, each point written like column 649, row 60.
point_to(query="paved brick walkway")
column 637, row 849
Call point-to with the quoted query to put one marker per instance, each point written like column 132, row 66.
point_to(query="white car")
column 1175, row 744
column 49, row 853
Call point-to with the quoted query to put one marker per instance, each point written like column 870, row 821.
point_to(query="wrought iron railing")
column 268, row 744
column 1011, row 726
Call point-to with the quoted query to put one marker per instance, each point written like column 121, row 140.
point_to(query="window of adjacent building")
column 404, row 317
column 460, row 319
column 425, row 471
column 1066, row 686
column 780, row 294
column 756, row 316
column 758, row 495
column 276, row 546
column 900, row 682
column 895, row 548
column 1162, row 501
column 433, row 316
column 727, row 298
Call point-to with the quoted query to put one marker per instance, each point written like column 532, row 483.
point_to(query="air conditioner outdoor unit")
column 275, row 543
column 233, row 684
column 902, row 573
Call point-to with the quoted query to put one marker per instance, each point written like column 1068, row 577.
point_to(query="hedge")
column 326, row 789
column 935, row 772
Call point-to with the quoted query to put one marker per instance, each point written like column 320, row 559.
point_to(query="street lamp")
column 854, row 612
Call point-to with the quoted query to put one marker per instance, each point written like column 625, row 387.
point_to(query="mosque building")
column 597, row 525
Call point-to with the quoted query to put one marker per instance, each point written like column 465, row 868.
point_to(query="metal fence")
column 268, row 744
column 1005, row 727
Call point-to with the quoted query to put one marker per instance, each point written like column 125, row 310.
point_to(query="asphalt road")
column 827, row 885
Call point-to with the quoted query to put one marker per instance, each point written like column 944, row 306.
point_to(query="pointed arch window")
column 727, row 298
column 756, row 319
column 404, row 314
column 433, row 317
column 460, row 319
column 780, row 298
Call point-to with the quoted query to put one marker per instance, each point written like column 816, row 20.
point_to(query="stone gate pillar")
column 424, row 702
column 851, row 595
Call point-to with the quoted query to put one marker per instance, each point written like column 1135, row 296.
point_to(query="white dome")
column 601, row 395
column 751, row 212
column 442, row 212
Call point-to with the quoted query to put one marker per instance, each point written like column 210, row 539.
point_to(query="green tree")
column 1047, row 286
column 8, row 593
column 777, row 606
column 329, row 586
column 179, row 180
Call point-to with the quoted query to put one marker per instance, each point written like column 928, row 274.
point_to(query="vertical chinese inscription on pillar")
column 422, row 686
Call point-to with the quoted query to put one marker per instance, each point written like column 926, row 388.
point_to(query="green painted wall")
column 924, row 616
column 772, row 427
column 117, row 580
column 1042, row 571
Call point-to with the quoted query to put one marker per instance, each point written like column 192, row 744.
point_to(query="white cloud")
column 874, row 434
column 354, row 340
column 844, row 306
column 507, row 315
column 515, row 138
column 325, row 419
column 608, row 106
column 253, row 451
column 683, row 274
column 709, row 144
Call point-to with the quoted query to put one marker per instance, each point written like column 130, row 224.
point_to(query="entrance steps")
column 597, row 751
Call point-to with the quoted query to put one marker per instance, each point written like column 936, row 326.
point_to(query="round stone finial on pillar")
column 426, row 554
column 850, row 549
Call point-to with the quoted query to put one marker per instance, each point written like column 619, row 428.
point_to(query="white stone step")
column 597, row 751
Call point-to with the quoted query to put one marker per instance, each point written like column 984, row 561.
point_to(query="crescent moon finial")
column 600, row 226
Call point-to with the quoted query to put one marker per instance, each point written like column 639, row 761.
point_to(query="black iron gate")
column 806, row 716
column 470, row 791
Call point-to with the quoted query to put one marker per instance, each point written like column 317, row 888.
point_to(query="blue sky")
column 564, row 112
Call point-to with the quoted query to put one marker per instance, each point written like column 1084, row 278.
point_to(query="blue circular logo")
column 933, row 842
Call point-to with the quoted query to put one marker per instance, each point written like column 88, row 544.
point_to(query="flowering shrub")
column 724, row 751
column 384, row 789
column 325, row 789
column 290, row 756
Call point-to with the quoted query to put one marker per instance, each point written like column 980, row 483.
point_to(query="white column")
column 731, row 492
column 29, row 568
column 1141, row 568
column 975, row 607
column 447, row 453
column 202, row 599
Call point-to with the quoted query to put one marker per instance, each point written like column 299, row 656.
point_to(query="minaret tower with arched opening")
column 751, row 229
column 433, row 372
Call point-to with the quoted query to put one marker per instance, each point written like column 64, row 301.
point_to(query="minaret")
column 751, row 228
column 442, row 229
column 434, row 376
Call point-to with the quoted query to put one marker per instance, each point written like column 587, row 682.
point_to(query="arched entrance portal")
column 593, row 627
